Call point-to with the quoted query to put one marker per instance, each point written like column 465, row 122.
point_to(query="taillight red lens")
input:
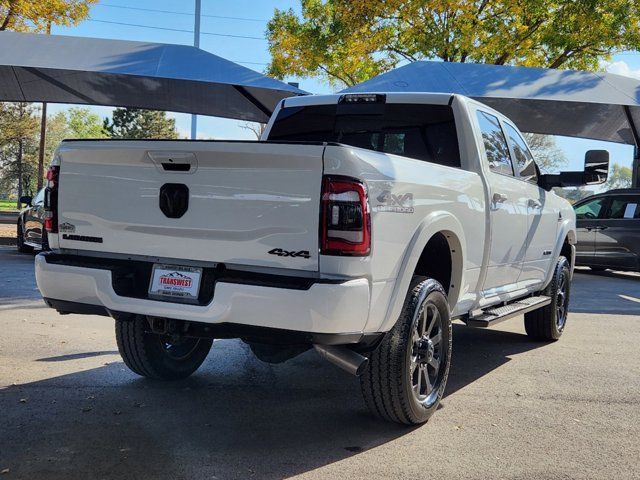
column 51, row 200
column 345, row 223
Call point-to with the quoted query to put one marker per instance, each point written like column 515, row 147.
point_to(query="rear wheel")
column 547, row 323
column 22, row 247
column 163, row 357
column 407, row 373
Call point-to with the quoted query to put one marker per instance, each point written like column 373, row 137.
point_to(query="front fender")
column 436, row 222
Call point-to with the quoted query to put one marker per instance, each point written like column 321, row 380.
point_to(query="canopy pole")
column 196, row 43
column 43, row 136
column 635, row 168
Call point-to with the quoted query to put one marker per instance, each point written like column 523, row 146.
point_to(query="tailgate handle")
column 174, row 162
column 176, row 167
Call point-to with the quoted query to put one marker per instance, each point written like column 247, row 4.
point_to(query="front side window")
column 589, row 210
column 524, row 159
column 495, row 144
column 627, row 207
column 421, row 131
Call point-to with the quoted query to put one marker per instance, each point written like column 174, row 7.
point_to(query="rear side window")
column 589, row 210
column 495, row 144
column 424, row 132
column 624, row 207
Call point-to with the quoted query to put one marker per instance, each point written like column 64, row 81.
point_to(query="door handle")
column 534, row 203
column 499, row 198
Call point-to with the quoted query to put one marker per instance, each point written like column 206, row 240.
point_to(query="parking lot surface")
column 514, row 409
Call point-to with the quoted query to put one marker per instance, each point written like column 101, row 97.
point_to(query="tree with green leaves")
column 619, row 177
column 74, row 123
column 39, row 15
column 82, row 123
column 573, row 195
column 18, row 147
column 136, row 123
column 346, row 42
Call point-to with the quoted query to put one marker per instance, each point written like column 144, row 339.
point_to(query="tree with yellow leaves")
column 38, row 15
column 349, row 41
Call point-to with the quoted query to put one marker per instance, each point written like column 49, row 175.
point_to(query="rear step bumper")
column 332, row 308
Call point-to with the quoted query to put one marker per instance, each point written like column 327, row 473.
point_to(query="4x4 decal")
column 390, row 202
column 285, row 253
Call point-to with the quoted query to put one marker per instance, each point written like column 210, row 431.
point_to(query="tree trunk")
column 20, row 147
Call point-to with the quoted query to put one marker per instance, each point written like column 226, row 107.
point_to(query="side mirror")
column 596, row 167
column 26, row 199
column 596, row 171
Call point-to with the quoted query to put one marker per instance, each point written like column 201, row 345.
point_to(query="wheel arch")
column 565, row 245
column 439, row 233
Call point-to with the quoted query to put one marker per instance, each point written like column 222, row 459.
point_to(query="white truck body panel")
column 247, row 198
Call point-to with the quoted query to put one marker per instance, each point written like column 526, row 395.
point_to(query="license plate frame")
column 175, row 283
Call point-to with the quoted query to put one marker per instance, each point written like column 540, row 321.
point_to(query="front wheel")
column 162, row 357
column 547, row 323
column 407, row 373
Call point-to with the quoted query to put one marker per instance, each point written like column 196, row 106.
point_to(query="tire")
column 155, row 356
column 547, row 323
column 22, row 247
column 390, row 384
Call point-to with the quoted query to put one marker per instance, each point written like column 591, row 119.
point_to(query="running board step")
column 492, row 315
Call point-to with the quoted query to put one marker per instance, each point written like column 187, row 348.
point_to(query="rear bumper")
column 326, row 308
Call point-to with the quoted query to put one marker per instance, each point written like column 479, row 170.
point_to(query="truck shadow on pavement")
column 236, row 418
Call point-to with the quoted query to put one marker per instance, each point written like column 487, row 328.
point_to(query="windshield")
column 420, row 131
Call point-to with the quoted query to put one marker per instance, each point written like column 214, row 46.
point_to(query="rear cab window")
column 421, row 131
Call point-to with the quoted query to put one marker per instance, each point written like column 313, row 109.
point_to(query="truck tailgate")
column 243, row 200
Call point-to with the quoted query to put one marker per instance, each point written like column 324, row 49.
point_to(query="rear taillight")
column 345, row 223
column 51, row 200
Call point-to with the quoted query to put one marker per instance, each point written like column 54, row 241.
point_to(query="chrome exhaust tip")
column 343, row 357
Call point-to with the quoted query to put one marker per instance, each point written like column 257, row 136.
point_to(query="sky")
column 169, row 21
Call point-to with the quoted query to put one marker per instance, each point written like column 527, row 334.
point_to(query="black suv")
column 609, row 230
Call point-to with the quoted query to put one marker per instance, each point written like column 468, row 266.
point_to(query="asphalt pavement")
column 513, row 409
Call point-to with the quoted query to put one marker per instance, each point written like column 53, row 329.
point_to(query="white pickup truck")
column 360, row 225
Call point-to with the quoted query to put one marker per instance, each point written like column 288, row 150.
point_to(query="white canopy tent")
column 599, row 106
column 93, row 71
